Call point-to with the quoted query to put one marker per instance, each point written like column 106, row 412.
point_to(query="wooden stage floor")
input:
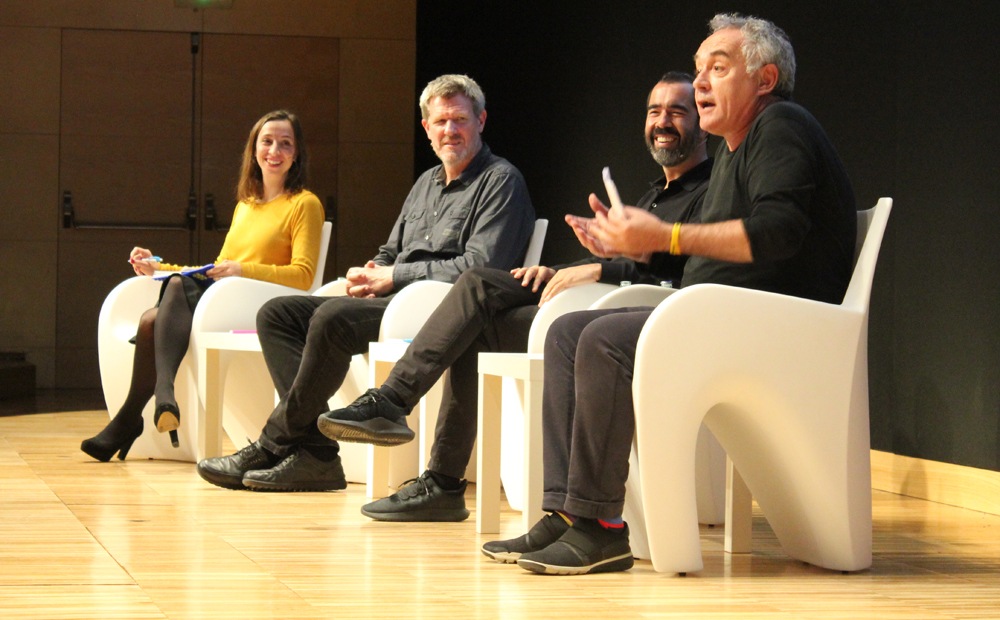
column 150, row 539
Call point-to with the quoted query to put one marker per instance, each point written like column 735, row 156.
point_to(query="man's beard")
column 671, row 157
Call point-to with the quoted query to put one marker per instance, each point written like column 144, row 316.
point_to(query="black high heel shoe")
column 168, row 418
column 118, row 436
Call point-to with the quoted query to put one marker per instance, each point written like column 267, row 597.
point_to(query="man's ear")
column 767, row 79
column 482, row 121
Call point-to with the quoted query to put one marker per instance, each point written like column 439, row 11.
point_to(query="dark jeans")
column 486, row 310
column 308, row 342
column 587, row 414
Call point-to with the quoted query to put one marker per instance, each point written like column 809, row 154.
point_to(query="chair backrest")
column 324, row 249
column 871, row 228
column 533, row 255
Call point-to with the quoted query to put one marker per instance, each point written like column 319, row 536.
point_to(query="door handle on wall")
column 209, row 212
column 192, row 211
column 69, row 219
column 211, row 216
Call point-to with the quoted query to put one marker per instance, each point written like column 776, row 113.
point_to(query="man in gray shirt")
column 472, row 210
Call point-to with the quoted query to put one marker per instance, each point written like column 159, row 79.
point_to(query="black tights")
column 160, row 344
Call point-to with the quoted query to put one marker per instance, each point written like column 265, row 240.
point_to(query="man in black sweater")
column 779, row 216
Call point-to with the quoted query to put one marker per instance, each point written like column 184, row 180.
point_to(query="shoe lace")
column 287, row 462
column 414, row 487
column 250, row 452
column 370, row 396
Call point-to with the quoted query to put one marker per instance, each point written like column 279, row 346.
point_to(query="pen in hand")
column 148, row 259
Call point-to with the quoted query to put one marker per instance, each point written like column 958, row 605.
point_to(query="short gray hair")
column 449, row 86
column 763, row 44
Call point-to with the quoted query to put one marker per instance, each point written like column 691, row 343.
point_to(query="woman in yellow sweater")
column 275, row 236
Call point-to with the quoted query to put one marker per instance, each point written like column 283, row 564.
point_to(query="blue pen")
column 146, row 260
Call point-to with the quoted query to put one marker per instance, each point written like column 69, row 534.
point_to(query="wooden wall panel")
column 301, row 75
column 364, row 19
column 374, row 181
column 126, row 125
column 100, row 14
column 29, row 127
column 29, row 195
column 379, row 118
column 381, row 36
column 29, row 62
column 28, row 302
column 379, row 92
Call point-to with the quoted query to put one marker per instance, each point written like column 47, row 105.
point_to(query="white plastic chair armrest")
column 410, row 308
column 636, row 295
column 569, row 300
column 337, row 288
column 232, row 303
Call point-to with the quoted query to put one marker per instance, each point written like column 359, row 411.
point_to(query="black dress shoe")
column 372, row 418
column 227, row 471
column 300, row 471
column 118, row 436
column 420, row 499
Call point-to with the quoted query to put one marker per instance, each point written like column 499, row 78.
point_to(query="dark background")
column 908, row 93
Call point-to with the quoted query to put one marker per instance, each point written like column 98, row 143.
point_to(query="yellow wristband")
column 675, row 239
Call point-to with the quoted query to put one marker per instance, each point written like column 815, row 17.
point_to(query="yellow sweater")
column 276, row 241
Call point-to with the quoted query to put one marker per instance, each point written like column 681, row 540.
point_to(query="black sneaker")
column 584, row 548
column 548, row 530
column 372, row 418
column 300, row 471
column 420, row 499
column 227, row 471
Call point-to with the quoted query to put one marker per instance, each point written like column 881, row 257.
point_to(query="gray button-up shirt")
column 482, row 218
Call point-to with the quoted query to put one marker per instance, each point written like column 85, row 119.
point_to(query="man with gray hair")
column 779, row 215
column 472, row 210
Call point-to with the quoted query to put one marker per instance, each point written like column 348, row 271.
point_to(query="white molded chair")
column 387, row 468
column 520, row 447
column 782, row 382
column 230, row 303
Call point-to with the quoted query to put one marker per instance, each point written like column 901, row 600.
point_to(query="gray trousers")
column 588, row 416
column 486, row 310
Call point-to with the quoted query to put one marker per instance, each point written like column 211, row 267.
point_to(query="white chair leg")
column 210, row 418
column 377, row 479
column 388, row 469
column 533, row 469
column 739, row 512
column 488, row 457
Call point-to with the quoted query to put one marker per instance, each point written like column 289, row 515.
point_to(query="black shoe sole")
column 542, row 530
column 378, row 432
column 260, row 485
column 504, row 557
column 610, row 565
column 226, row 482
column 419, row 516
